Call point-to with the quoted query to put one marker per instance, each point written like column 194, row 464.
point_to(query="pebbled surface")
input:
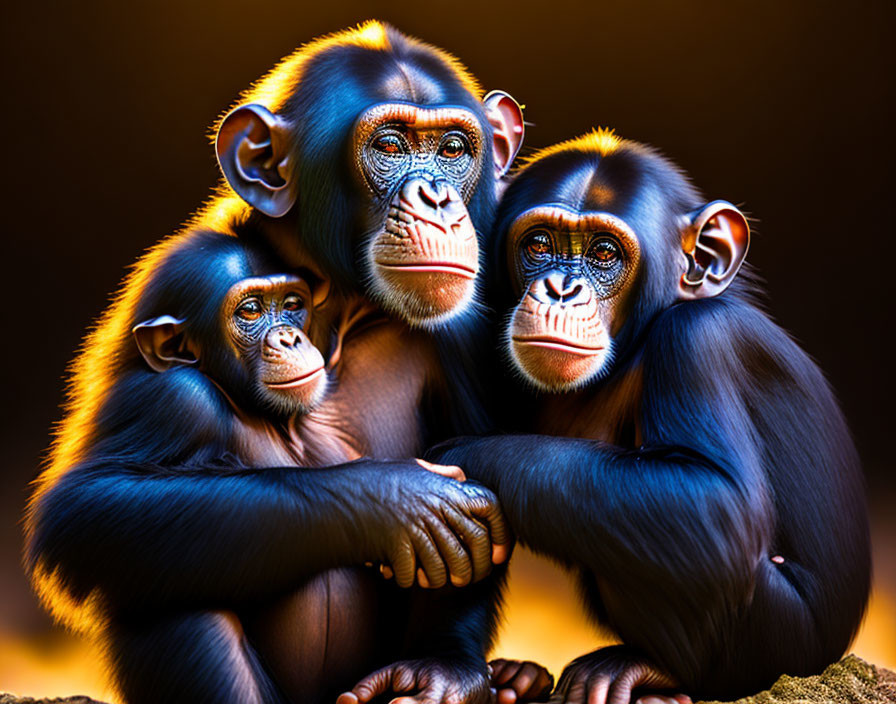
column 850, row 681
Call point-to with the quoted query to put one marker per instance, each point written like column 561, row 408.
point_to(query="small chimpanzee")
column 368, row 162
column 259, row 360
column 246, row 386
column 694, row 467
column 262, row 401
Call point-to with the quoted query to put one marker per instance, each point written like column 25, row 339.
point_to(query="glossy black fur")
column 743, row 455
column 170, row 526
column 151, row 524
column 337, row 86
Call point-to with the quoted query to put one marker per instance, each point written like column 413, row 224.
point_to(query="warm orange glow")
column 543, row 616
column 876, row 641
column 101, row 354
column 91, row 376
column 273, row 89
column 543, row 621
column 600, row 140
column 53, row 666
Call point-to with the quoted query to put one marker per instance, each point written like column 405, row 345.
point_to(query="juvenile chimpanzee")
column 367, row 161
column 264, row 401
column 245, row 385
column 693, row 468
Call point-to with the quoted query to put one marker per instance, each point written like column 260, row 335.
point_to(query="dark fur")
column 144, row 523
column 733, row 451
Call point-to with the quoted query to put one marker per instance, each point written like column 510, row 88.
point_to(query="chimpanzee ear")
column 254, row 151
column 162, row 344
column 506, row 118
column 320, row 292
column 715, row 241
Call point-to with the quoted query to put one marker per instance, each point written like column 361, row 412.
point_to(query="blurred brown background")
column 784, row 107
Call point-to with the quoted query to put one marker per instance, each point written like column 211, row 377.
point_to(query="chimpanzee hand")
column 609, row 675
column 425, row 681
column 452, row 472
column 415, row 516
column 518, row 681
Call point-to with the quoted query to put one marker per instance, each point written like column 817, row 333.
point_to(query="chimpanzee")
column 264, row 401
column 368, row 165
column 692, row 465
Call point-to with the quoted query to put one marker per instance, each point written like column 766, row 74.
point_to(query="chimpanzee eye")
column 293, row 302
column 452, row 147
column 249, row 309
column 388, row 144
column 537, row 244
column 604, row 252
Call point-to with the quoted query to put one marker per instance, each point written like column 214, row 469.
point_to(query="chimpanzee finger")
column 371, row 686
column 542, row 686
column 392, row 678
column 429, row 558
column 432, row 690
column 475, row 538
column 620, row 691
column 575, row 694
column 452, row 551
column 450, row 471
column 403, row 563
column 504, row 670
column 531, row 681
column 489, row 514
column 506, row 696
column 599, row 690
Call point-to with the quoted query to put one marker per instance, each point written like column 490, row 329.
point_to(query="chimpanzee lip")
column 555, row 343
column 463, row 270
column 298, row 381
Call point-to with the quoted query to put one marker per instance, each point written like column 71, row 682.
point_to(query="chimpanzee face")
column 265, row 321
column 419, row 168
column 572, row 270
column 601, row 235
column 415, row 174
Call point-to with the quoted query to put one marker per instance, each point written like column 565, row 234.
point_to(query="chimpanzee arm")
column 199, row 532
column 676, row 528
column 696, row 473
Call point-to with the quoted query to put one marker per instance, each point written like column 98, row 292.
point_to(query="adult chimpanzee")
column 694, row 467
column 366, row 162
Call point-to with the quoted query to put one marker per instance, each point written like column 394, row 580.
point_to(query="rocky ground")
column 850, row 681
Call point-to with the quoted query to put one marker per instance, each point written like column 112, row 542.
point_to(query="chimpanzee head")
column 251, row 338
column 380, row 150
column 597, row 235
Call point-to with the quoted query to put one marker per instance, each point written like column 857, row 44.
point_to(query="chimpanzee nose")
column 434, row 193
column 563, row 289
column 282, row 338
column 425, row 194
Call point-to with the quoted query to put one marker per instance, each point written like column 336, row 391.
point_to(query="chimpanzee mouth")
column 462, row 270
column 298, row 381
column 554, row 343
